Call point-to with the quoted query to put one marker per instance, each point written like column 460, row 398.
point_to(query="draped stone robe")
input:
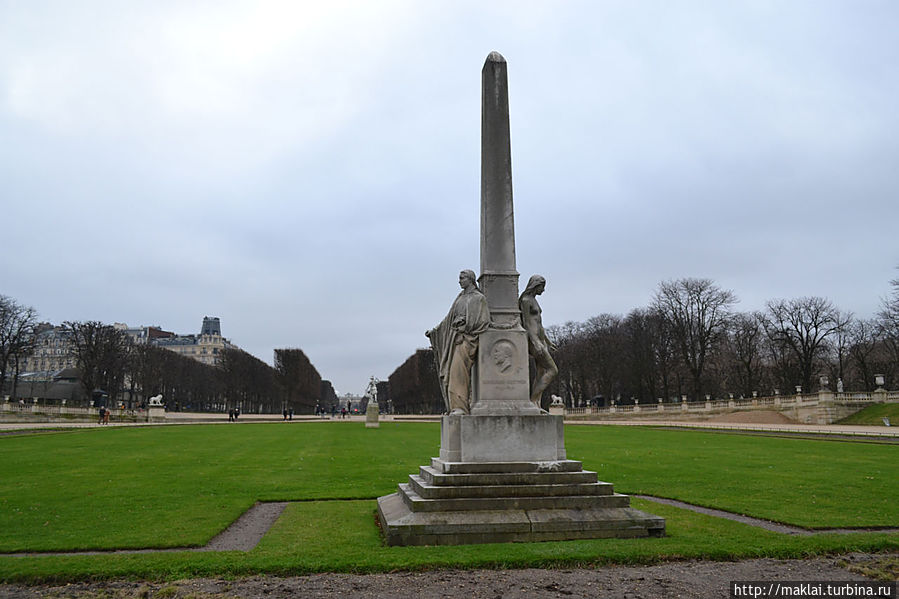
column 455, row 344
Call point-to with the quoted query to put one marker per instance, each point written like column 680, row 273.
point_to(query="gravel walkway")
column 766, row 524
column 246, row 532
column 687, row 579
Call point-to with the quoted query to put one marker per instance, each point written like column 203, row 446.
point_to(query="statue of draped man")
column 455, row 343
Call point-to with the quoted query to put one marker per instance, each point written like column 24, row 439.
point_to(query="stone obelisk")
column 502, row 474
column 501, row 375
column 499, row 278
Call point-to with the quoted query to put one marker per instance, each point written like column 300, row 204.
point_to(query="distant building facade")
column 143, row 335
column 53, row 349
column 207, row 347
column 52, row 353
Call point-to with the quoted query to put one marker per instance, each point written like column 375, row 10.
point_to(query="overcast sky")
column 309, row 171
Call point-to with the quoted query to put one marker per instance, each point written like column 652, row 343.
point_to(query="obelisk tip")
column 495, row 57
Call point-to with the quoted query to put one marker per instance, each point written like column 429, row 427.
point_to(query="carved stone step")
column 507, row 467
column 403, row 526
column 434, row 477
column 417, row 503
column 428, row 491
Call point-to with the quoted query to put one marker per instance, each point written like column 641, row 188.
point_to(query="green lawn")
column 810, row 483
column 873, row 415
column 181, row 485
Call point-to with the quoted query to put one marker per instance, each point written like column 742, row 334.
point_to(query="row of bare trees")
column 108, row 360
column 17, row 334
column 690, row 341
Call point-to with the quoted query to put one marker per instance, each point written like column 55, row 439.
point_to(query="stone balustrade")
column 823, row 407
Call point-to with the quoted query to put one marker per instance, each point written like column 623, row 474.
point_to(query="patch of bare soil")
column 687, row 579
column 753, row 417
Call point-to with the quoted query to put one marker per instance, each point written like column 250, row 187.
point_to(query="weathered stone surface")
column 502, row 385
column 510, row 467
column 429, row 491
column 502, row 438
column 435, row 477
column 372, row 415
column 404, row 526
column 499, row 279
column 417, row 503
column 597, row 519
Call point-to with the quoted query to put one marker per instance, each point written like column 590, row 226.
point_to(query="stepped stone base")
column 460, row 502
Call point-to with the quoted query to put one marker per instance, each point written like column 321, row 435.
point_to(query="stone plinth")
column 155, row 414
column 501, row 438
column 371, row 415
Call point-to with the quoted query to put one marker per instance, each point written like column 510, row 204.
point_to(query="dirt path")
column 686, row 579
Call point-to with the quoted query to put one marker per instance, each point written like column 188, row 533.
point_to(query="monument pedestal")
column 155, row 414
column 501, row 438
column 505, row 478
column 371, row 415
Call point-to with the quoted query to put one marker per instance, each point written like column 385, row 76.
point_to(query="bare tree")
column 650, row 354
column 890, row 305
column 841, row 343
column 17, row 324
column 868, row 354
column 102, row 355
column 802, row 327
column 697, row 312
column 603, row 353
column 570, row 358
column 889, row 321
column 745, row 344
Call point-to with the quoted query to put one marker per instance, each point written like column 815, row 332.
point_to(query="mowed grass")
column 809, row 483
column 179, row 486
column 874, row 415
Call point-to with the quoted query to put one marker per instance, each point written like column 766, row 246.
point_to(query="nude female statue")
column 539, row 344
